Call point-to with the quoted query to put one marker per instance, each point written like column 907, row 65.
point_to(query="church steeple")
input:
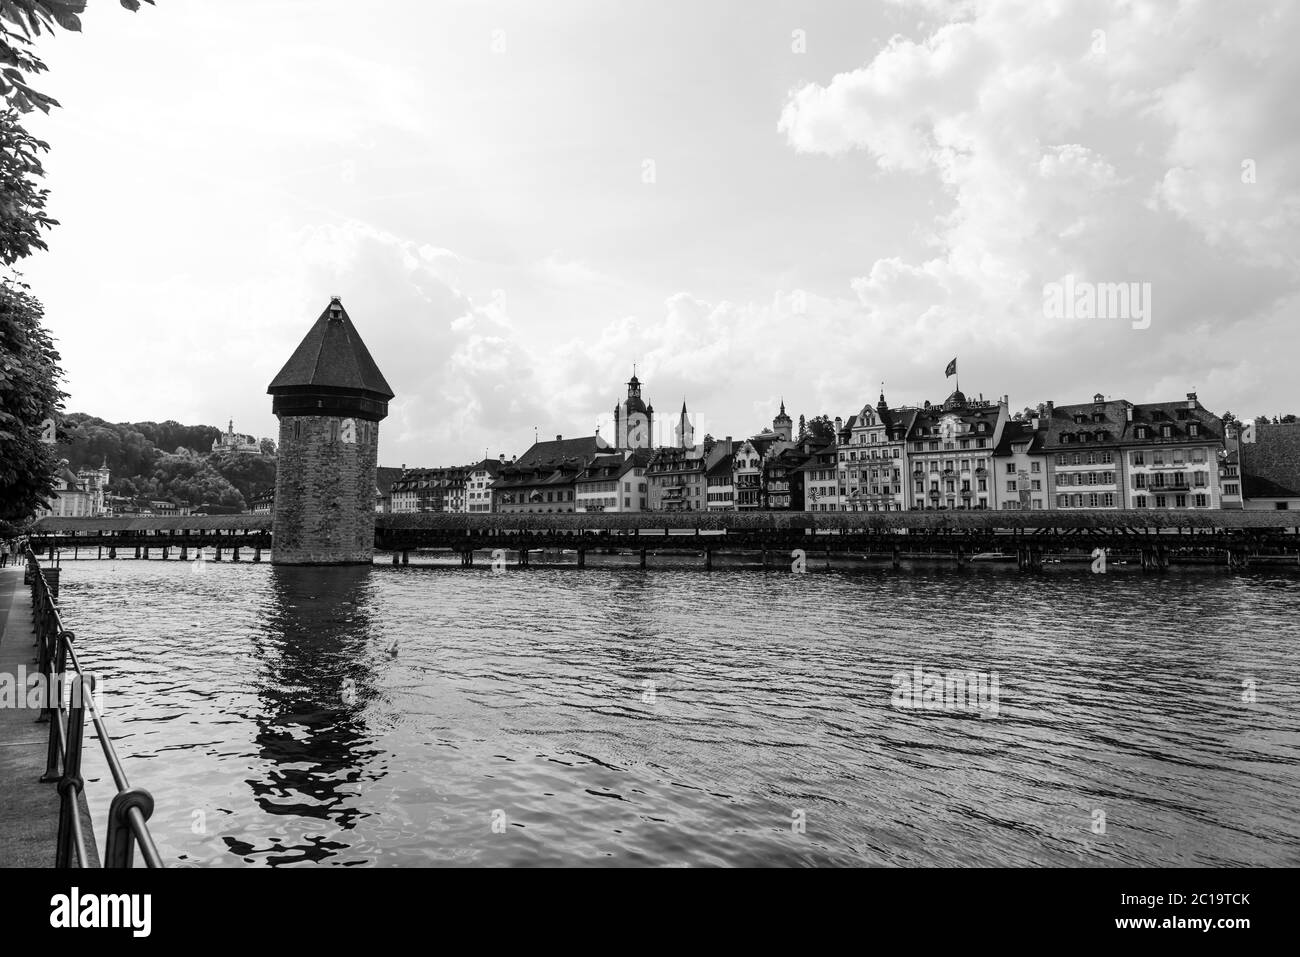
column 782, row 425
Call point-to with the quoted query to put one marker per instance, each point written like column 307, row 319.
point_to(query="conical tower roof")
column 332, row 356
column 331, row 372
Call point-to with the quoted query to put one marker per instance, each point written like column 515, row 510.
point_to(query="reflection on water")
column 310, row 736
column 401, row 716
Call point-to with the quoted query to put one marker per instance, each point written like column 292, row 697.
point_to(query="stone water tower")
column 329, row 398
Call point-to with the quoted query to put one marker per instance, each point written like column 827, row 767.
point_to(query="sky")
column 751, row 201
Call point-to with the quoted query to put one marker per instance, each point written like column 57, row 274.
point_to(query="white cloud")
column 1103, row 140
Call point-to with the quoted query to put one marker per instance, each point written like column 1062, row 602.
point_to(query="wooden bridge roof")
column 716, row 521
column 54, row 524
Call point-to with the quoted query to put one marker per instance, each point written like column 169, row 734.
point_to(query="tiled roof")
column 332, row 356
column 385, row 477
column 1107, row 422
column 562, row 450
column 1017, row 432
column 1270, row 465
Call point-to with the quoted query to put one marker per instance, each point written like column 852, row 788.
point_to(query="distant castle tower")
column 782, row 425
column 329, row 397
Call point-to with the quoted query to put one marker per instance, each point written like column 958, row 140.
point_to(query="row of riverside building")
column 966, row 453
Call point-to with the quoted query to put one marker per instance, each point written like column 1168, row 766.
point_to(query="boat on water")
column 992, row 557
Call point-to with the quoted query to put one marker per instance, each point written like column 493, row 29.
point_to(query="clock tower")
column 633, row 419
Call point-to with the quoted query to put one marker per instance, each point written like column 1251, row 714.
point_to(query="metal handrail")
column 130, row 808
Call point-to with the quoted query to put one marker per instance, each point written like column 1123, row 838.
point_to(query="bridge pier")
column 100, row 554
column 137, row 551
column 257, row 554
column 218, row 555
column 112, row 552
column 406, row 556
column 234, row 554
column 643, row 558
column 185, row 553
column 708, row 559
column 396, row 557
column 582, row 558
column 166, row 550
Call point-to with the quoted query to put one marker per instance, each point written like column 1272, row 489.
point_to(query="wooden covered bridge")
column 1154, row 537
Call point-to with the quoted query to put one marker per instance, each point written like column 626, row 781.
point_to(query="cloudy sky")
column 750, row 200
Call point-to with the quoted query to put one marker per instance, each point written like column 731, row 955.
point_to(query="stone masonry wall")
column 324, row 492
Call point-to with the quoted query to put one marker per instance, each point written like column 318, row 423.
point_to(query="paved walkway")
column 29, row 810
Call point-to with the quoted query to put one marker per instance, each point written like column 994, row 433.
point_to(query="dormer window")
column 1166, row 431
column 1194, row 428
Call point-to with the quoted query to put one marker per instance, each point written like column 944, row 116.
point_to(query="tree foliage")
column 166, row 461
column 29, row 396
column 821, row 428
column 29, row 364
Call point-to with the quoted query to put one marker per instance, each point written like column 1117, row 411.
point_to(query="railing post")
column 119, row 850
column 72, row 783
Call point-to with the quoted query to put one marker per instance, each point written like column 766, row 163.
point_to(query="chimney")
column 501, row 457
column 1191, row 400
column 1035, row 420
column 559, row 438
column 1128, row 413
column 839, row 425
column 1051, row 407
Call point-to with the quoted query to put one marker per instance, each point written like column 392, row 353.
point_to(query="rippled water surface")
column 680, row 717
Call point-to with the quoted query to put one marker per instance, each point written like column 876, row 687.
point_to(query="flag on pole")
column 951, row 370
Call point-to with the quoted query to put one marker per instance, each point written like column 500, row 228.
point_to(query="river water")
column 678, row 717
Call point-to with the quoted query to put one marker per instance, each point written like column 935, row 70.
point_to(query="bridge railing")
column 130, row 809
